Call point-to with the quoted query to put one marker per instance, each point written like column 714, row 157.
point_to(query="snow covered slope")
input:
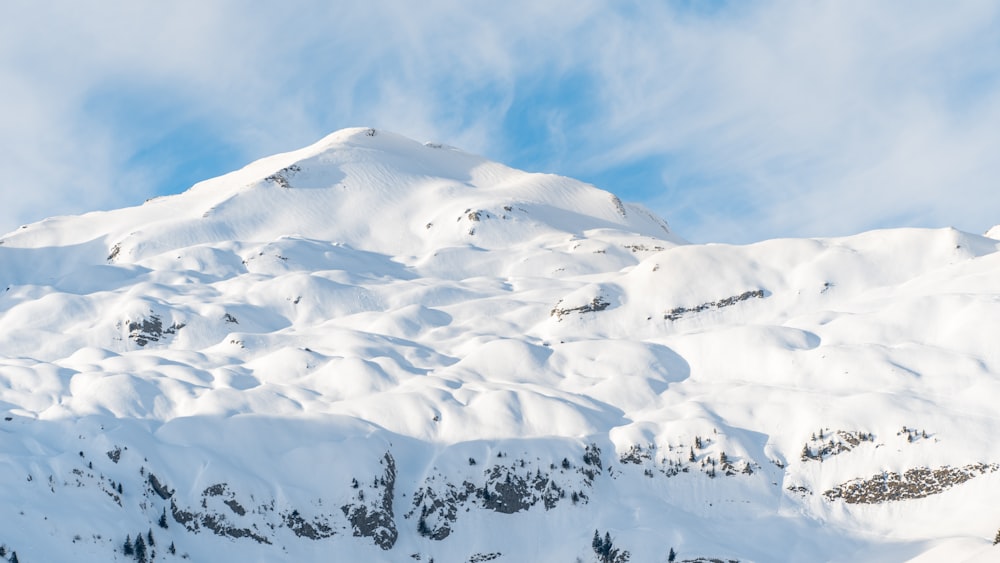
column 376, row 350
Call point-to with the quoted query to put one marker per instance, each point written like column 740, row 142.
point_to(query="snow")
column 281, row 329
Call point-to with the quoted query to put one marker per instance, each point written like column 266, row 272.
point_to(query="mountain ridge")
column 396, row 351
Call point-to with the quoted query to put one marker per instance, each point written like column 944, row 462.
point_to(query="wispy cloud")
column 745, row 121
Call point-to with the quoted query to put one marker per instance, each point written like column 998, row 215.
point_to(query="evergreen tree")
column 163, row 519
column 127, row 546
column 691, row 455
column 140, row 549
column 172, row 549
column 13, row 557
column 672, row 556
column 605, row 550
column 149, row 538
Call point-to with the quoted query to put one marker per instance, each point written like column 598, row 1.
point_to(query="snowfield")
column 373, row 349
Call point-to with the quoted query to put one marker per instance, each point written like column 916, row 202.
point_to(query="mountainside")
column 373, row 349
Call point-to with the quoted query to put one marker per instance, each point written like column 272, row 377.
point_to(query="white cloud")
column 777, row 118
column 821, row 118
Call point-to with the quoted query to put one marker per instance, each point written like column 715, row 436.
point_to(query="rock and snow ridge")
column 375, row 349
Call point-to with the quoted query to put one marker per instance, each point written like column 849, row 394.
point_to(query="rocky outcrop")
column 678, row 312
column 914, row 483
column 375, row 519
column 516, row 486
column 283, row 177
column 598, row 303
column 150, row 329
column 826, row 444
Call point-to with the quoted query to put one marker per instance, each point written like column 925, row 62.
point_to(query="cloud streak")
column 738, row 123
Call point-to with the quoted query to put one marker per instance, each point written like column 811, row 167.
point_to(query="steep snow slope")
column 372, row 349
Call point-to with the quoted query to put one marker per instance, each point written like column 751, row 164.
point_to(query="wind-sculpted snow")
column 373, row 349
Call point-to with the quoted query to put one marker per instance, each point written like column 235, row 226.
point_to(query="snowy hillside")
column 373, row 349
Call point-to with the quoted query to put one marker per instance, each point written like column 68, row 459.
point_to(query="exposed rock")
column 144, row 331
column 282, row 177
column 597, row 304
column 315, row 530
column 643, row 248
column 507, row 489
column 113, row 253
column 377, row 520
column 160, row 489
column 679, row 312
column 826, row 445
column 619, row 206
column 915, row 483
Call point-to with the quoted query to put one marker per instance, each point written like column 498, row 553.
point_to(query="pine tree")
column 172, row 549
column 163, row 519
column 127, row 546
column 996, row 540
column 140, row 549
column 691, row 455
column 672, row 556
column 13, row 557
column 149, row 538
column 605, row 550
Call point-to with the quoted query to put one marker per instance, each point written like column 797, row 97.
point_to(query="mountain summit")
column 373, row 349
column 367, row 189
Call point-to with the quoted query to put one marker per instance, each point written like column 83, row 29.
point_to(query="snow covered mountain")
column 373, row 349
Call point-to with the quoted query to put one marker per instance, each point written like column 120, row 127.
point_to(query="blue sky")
column 735, row 121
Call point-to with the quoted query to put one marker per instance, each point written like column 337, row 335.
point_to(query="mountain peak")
column 475, row 354
column 372, row 190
